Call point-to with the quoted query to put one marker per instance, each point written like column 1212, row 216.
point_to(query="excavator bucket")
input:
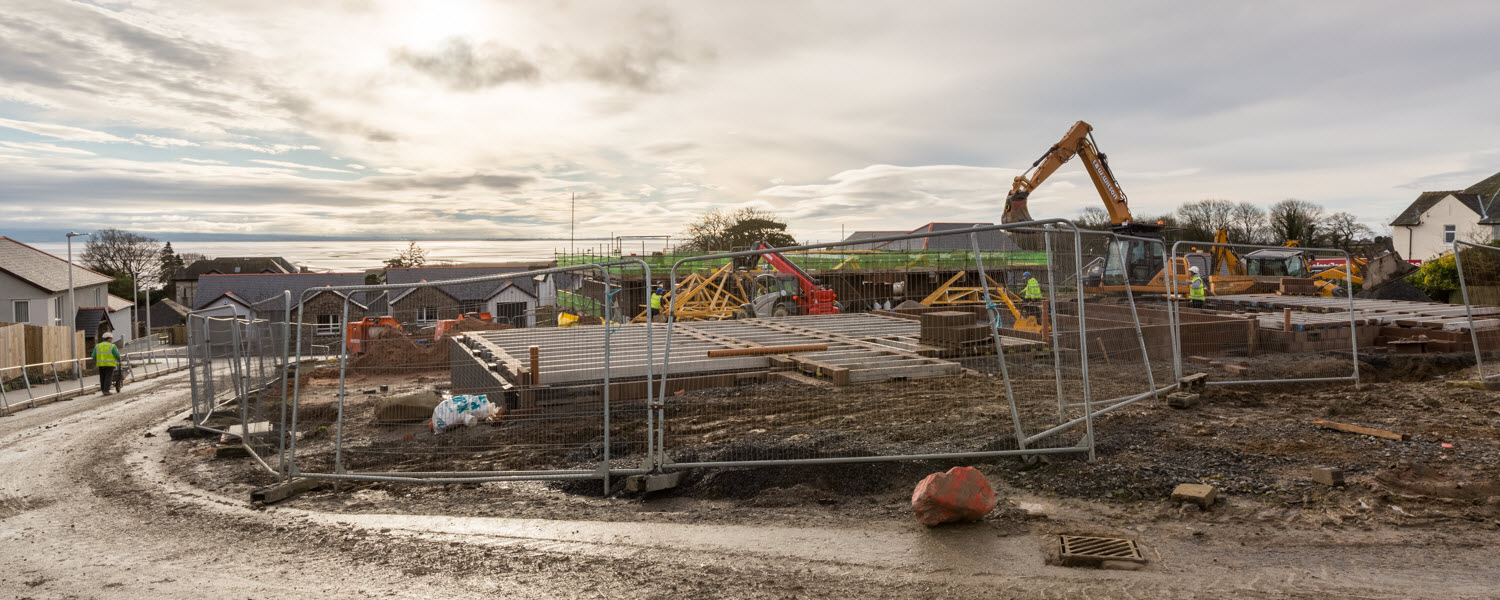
column 1385, row 266
column 1028, row 323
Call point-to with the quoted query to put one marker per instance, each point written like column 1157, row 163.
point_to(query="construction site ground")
column 95, row 501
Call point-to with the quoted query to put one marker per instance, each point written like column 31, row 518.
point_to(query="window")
column 22, row 311
column 1450, row 233
column 427, row 314
column 57, row 311
column 327, row 325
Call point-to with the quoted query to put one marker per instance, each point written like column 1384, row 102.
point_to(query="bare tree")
column 1247, row 224
column 1294, row 219
column 1200, row 219
column 1341, row 230
column 1093, row 217
column 118, row 252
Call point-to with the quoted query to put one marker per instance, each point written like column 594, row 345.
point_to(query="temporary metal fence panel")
column 1272, row 324
column 569, row 392
column 910, row 383
column 1478, row 269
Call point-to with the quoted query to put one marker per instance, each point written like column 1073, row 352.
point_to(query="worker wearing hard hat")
column 1196, row 288
column 653, row 308
column 1031, row 293
column 106, row 358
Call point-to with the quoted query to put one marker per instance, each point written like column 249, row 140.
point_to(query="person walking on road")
column 106, row 358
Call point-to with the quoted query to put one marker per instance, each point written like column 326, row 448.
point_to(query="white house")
column 1429, row 226
column 34, row 287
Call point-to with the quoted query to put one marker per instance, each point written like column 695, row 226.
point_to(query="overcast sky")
column 435, row 120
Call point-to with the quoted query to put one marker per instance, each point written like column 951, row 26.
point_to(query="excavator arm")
column 1079, row 141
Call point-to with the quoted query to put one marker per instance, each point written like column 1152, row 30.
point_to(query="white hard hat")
column 109, row 336
column 1193, row 270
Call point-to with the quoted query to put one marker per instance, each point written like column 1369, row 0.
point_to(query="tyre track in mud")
column 87, row 510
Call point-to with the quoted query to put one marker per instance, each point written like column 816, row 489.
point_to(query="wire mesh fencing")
column 483, row 378
column 797, row 376
column 1478, row 268
column 1266, row 314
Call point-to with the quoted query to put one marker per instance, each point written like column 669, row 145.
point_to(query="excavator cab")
column 1278, row 263
column 1136, row 260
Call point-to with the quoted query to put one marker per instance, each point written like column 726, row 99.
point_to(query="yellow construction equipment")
column 951, row 295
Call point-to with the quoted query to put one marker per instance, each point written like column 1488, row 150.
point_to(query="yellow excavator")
column 1139, row 261
column 1136, row 260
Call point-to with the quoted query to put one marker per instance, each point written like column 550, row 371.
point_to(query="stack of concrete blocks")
column 953, row 328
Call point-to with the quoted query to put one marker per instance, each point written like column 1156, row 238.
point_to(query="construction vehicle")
column 792, row 292
column 443, row 325
column 369, row 328
column 1137, row 260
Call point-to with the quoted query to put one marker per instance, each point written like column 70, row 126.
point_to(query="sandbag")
column 461, row 410
column 961, row 494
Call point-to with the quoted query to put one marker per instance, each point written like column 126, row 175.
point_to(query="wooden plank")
column 1380, row 433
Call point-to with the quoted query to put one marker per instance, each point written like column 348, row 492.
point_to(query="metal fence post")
column 994, row 319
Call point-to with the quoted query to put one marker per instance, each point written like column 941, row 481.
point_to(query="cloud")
column 264, row 149
column 204, row 161
column 642, row 62
column 156, row 141
column 50, row 148
column 61, row 132
column 292, row 165
column 463, row 67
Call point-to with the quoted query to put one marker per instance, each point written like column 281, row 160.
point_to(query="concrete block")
column 279, row 492
column 1182, row 400
column 1193, row 384
column 1237, row 369
column 1197, row 493
column 235, row 451
column 642, row 484
column 1328, row 476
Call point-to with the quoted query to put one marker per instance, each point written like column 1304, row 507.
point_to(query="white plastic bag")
column 461, row 410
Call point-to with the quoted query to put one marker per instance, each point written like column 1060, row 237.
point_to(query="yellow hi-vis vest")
column 1196, row 288
column 656, row 301
column 104, row 355
column 1032, row 291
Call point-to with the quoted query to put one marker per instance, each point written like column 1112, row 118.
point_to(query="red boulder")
column 961, row 494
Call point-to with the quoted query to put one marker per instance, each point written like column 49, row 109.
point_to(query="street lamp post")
column 72, row 305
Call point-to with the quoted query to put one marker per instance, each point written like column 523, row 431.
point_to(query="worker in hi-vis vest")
column 654, row 308
column 106, row 358
column 1196, row 289
column 1033, row 290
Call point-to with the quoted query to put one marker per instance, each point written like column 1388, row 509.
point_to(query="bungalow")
column 1430, row 224
column 186, row 280
column 513, row 300
column 263, row 296
column 34, row 289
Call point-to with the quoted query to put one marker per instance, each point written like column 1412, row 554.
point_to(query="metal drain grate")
column 1077, row 549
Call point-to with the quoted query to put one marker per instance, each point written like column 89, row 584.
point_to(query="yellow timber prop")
column 949, row 295
column 714, row 297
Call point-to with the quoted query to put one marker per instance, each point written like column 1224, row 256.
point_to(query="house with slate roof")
column 992, row 240
column 186, row 280
column 513, row 299
column 1429, row 226
column 264, row 296
column 34, row 290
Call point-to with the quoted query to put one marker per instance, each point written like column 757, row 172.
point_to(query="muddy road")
column 91, row 508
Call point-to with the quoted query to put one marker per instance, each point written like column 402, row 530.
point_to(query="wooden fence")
column 12, row 345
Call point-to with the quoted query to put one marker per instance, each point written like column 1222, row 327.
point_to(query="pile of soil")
column 1395, row 290
column 392, row 352
column 467, row 325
